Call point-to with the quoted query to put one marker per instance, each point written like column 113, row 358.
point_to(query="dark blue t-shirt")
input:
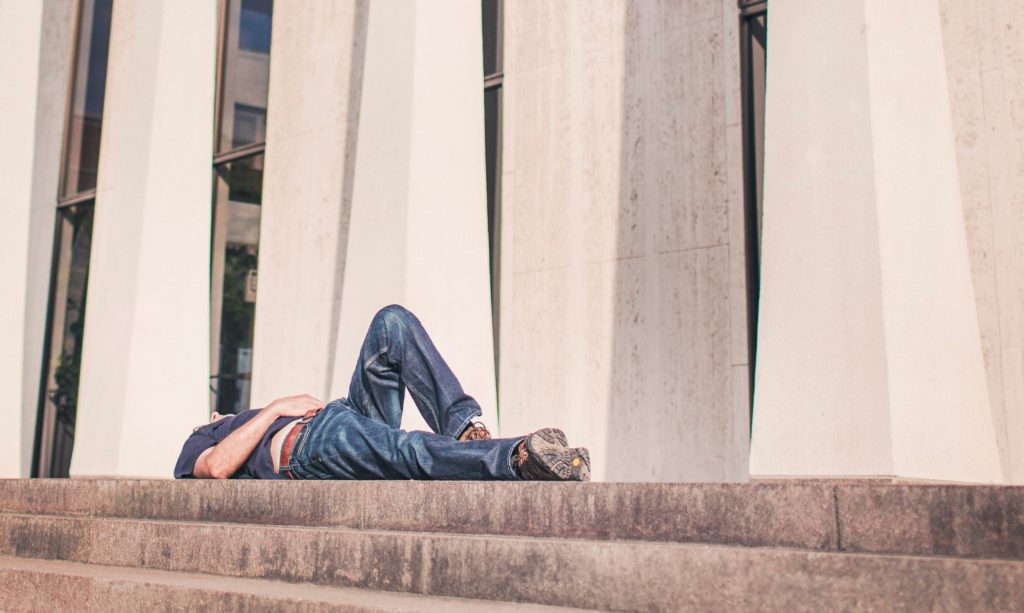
column 259, row 464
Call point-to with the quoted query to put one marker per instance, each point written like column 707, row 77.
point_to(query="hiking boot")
column 545, row 456
column 475, row 431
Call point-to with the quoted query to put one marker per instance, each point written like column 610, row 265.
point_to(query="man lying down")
column 359, row 437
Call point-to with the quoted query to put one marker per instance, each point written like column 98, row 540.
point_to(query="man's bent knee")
column 394, row 315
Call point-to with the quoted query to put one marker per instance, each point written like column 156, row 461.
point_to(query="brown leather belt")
column 289, row 442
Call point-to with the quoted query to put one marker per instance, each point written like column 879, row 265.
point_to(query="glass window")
column 754, row 46
column 250, row 123
column 82, row 151
column 491, row 16
column 759, row 42
column 254, row 25
column 245, row 74
column 491, row 13
column 236, row 238
column 238, row 192
column 66, row 329
column 62, row 351
column 492, row 133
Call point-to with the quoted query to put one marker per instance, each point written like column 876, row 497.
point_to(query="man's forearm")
column 225, row 458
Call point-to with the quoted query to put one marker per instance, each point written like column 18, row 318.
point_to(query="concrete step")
column 966, row 521
column 49, row 585
column 615, row 575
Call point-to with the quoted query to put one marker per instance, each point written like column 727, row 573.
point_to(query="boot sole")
column 547, row 447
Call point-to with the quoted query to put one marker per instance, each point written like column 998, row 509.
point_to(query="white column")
column 869, row 360
column 144, row 379
column 315, row 79
column 34, row 70
column 418, row 225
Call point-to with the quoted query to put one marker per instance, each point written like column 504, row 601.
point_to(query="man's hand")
column 224, row 459
column 294, row 406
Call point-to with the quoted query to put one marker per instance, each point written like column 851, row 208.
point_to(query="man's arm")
column 224, row 459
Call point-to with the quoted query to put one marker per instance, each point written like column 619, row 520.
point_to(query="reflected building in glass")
column 238, row 188
column 58, row 399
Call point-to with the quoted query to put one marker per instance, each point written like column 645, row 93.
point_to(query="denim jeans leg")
column 397, row 354
column 342, row 443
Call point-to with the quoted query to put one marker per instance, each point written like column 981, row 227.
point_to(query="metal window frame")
column 749, row 12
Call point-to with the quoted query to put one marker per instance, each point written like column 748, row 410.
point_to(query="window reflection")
column 238, row 189
column 245, row 74
column 490, row 12
column 233, row 299
column 67, row 320
column 491, row 21
column 86, row 105
column 759, row 41
column 753, row 58
column 254, row 25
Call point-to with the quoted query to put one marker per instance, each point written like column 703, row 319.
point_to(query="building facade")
column 704, row 261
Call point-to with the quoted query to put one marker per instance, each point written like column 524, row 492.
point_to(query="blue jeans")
column 359, row 437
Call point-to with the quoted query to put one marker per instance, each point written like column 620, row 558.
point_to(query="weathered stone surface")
column 769, row 514
column 969, row 521
column 617, row 575
column 620, row 285
column 952, row 520
column 47, row 585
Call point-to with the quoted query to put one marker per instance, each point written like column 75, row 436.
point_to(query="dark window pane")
column 753, row 43
column 233, row 277
column 254, row 25
column 757, row 73
column 250, row 125
column 491, row 14
column 64, row 354
column 243, row 179
column 89, row 82
column 245, row 74
column 492, row 148
column 492, row 98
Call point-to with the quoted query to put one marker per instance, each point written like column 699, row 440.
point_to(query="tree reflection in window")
column 70, row 285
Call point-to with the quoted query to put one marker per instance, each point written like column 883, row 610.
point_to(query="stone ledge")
column 617, row 575
column 50, row 585
column 955, row 520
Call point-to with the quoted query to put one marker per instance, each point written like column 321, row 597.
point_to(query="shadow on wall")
column 670, row 403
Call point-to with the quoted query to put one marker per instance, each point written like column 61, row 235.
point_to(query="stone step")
column 50, row 585
column 614, row 575
column 870, row 517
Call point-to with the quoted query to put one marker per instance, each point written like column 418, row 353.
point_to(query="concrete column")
column 983, row 47
column 34, row 70
column 144, row 378
column 869, row 361
column 417, row 232
column 317, row 56
column 623, row 300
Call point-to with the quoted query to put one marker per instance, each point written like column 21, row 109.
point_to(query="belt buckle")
column 308, row 416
